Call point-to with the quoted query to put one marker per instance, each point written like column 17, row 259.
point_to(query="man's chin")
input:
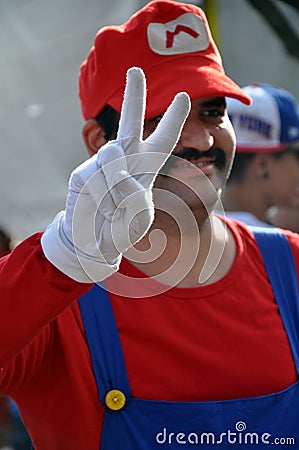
column 199, row 195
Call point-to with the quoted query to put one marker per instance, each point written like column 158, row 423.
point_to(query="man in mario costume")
column 139, row 319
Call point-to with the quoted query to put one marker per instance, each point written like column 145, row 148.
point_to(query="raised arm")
column 109, row 206
column 108, row 209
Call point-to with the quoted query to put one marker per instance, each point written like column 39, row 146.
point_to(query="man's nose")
column 196, row 135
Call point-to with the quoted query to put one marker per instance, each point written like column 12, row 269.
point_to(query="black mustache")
column 192, row 154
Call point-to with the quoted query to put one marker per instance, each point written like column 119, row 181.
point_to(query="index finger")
column 165, row 136
column 133, row 107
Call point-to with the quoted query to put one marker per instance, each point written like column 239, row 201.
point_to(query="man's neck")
column 239, row 198
column 197, row 253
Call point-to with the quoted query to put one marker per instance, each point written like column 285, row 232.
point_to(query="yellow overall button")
column 115, row 399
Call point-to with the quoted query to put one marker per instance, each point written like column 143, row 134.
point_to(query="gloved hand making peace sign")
column 109, row 204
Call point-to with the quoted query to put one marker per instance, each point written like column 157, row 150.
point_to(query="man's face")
column 202, row 158
column 282, row 183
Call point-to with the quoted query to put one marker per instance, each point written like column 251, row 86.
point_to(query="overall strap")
column 281, row 269
column 104, row 342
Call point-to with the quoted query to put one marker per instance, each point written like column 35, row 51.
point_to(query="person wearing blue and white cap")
column 263, row 187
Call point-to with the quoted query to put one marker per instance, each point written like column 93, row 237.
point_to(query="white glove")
column 109, row 204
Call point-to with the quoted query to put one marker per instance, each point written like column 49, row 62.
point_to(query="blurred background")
column 42, row 44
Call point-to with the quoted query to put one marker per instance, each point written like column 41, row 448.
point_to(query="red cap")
column 172, row 43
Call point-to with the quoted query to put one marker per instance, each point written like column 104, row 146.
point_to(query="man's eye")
column 213, row 113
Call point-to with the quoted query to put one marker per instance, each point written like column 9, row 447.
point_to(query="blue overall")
column 139, row 424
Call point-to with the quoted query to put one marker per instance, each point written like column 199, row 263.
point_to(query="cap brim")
column 260, row 149
column 165, row 80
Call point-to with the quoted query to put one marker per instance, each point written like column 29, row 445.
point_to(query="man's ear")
column 93, row 136
column 260, row 165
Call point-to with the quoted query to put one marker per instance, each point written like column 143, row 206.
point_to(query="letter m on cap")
column 186, row 34
column 178, row 29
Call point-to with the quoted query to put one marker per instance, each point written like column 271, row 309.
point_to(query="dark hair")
column 239, row 167
column 5, row 239
column 108, row 119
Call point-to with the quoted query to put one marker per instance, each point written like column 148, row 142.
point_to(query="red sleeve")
column 33, row 293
